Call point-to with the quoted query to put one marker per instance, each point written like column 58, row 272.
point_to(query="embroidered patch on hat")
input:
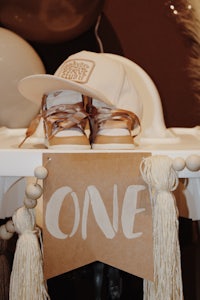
column 78, row 70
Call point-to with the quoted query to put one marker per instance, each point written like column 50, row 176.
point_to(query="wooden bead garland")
column 10, row 226
column 33, row 192
column 4, row 234
column 178, row 164
column 30, row 203
column 192, row 163
column 40, row 172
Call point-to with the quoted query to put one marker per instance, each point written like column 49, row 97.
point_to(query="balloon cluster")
column 33, row 192
column 35, row 21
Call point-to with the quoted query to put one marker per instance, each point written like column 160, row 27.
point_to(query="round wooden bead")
column 30, row 203
column 33, row 191
column 4, row 234
column 40, row 172
column 10, row 227
column 193, row 162
column 178, row 164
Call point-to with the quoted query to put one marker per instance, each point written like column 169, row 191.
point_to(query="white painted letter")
column 53, row 211
column 129, row 210
column 92, row 196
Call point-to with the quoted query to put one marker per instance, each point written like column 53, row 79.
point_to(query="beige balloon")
column 50, row 21
column 17, row 60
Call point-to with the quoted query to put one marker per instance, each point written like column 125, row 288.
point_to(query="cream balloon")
column 17, row 60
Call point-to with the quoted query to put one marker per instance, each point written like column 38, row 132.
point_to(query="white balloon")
column 18, row 59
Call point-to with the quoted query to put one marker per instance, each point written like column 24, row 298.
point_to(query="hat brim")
column 33, row 87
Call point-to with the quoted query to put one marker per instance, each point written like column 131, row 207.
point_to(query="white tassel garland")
column 158, row 173
column 27, row 281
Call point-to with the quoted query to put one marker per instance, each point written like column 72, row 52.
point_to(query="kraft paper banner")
column 96, row 208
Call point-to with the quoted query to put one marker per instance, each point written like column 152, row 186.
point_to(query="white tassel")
column 158, row 173
column 27, row 281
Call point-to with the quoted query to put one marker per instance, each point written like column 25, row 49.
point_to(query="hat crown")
column 95, row 72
